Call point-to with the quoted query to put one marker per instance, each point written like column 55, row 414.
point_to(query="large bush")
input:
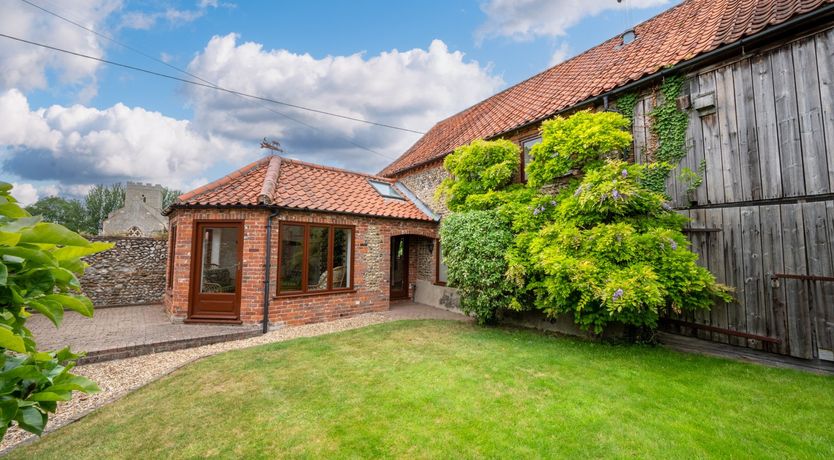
column 39, row 264
column 577, row 142
column 614, row 252
column 474, row 245
column 607, row 249
column 478, row 168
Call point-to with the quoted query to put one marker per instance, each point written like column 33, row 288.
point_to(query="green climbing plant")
column 669, row 126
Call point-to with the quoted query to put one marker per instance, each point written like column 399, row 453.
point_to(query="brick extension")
column 371, row 266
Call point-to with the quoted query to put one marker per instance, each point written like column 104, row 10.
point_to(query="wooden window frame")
column 437, row 264
column 305, row 291
column 171, row 254
column 522, row 174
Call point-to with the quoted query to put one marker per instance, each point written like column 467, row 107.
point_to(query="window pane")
column 527, row 146
column 386, row 189
column 317, row 258
column 219, row 260
column 442, row 269
column 341, row 257
column 292, row 257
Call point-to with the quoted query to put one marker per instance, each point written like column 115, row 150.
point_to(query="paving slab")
column 121, row 332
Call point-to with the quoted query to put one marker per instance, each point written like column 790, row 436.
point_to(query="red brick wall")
column 372, row 245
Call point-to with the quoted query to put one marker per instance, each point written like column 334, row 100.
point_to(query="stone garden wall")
column 132, row 273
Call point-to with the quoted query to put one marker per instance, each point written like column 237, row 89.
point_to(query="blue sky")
column 405, row 63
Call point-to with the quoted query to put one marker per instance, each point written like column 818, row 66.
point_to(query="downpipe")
column 267, row 268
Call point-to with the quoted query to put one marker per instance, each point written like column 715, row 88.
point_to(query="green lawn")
column 423, row 389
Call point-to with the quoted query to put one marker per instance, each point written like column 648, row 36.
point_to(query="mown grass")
column 431, row 389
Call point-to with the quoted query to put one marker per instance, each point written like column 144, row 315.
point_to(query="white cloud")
column 80, row 145
column 25, row 194
column 528, row 19
column 413, row 88
column 142, row 20
column 561, row 53
column 26, row 66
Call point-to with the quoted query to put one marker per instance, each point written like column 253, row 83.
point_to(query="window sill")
column 439, row 283
column 312, row 294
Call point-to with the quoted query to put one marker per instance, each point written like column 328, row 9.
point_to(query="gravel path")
column 118, row 378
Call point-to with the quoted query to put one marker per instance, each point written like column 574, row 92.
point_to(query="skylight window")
column 385, row 189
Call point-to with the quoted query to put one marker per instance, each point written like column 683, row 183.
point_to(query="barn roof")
column 681, row 33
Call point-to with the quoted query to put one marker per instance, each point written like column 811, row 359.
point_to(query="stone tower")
column 141, row 214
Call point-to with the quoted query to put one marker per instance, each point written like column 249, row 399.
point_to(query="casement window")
column 172, row 245
column 315, row 258
column 526, row 146
column 441, row 270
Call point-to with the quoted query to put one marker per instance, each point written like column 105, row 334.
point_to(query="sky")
column 68, row 123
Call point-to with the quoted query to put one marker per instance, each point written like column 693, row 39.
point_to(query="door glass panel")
column 219, row 260
column 442, row 269
column 317, row 258
column 397, row 264
column 342, row 239
column 292, row 257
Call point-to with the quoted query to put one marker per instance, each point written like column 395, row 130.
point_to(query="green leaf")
column 51, row 396
column 4, row 274
column 10, row 341
column 75, row 383
column 80, row 304
column 9, row 209
column 9, row 238
column 50, row 233
column 74, row 252
column 8, row 409
column 52, row 310
column 34, row 255
column 17, row 225
column 31, row 420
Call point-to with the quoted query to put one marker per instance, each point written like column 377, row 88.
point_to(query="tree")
column 67, row 212
column 39, row 267
column 169, row 196
column 100, row 201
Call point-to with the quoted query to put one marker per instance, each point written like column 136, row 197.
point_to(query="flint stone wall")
column 131, row 273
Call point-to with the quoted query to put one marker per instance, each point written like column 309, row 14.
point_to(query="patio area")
column 122, row 332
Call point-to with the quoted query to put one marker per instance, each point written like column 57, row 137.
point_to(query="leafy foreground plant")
column 39, row 262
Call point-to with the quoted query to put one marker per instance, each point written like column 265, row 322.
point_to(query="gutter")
column 267, row 268
column 818, row 15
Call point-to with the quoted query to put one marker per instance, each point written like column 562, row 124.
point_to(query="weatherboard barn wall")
column 762, row 134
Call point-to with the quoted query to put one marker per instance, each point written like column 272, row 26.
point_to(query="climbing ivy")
column 669, row 125
column 626, row 104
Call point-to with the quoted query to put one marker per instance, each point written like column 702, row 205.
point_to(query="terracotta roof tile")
column 299, row 185
column 692, row 28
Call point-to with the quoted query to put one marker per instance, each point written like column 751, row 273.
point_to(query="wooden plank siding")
column 768, row 147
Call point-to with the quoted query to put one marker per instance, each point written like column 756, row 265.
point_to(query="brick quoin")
column 371, row 281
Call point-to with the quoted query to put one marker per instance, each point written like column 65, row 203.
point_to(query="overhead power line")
column 208, row 85
column 183, row 71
